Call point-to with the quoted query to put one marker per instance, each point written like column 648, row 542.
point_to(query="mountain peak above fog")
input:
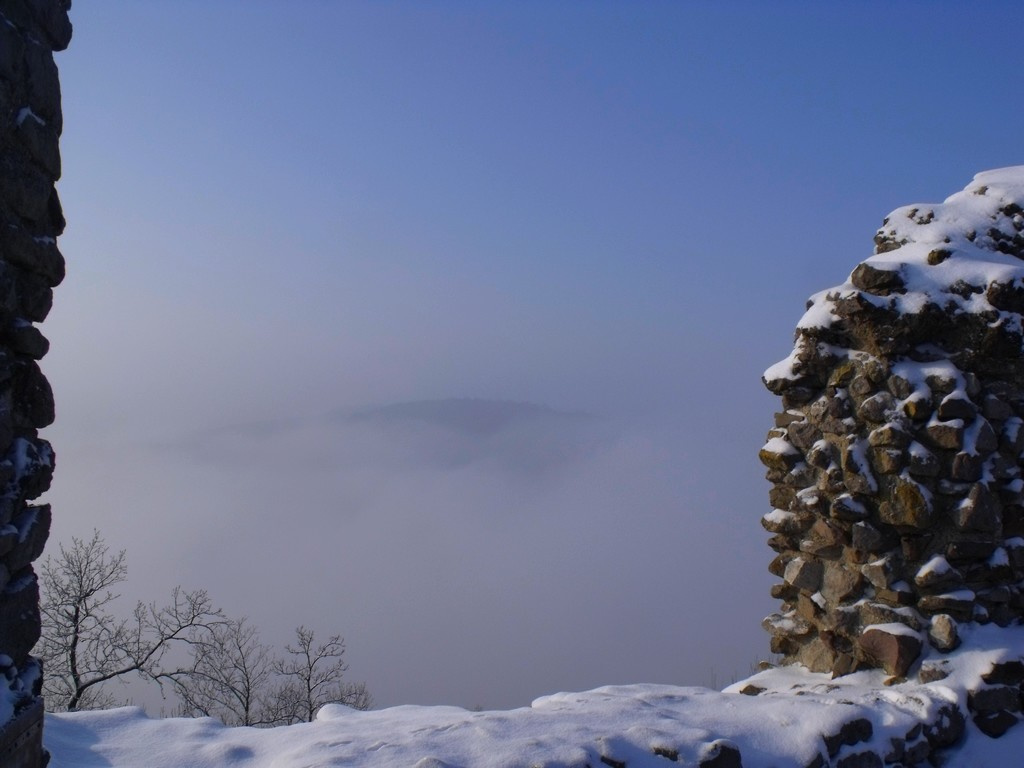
column 501, row 435
column 472, row 416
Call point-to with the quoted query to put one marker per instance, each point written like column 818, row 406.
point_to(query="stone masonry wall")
column 30, row 266
column 895, row 462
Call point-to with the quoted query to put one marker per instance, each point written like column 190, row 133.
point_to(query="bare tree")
column 235, row 678
column 84, row 646
column 230, row 677
column 229, row 673
column 313, row 676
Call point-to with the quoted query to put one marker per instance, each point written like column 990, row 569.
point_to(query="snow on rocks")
column 957, row 708
column 635, row 726
column 897, row 452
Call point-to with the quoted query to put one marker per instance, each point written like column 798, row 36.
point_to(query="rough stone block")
column 959, row 605
column 863, row 759
column 878, row 613
column 995, row 698
column 779, row 453
column 922, row 462
column 932, row 671
column 849, row 508
column 890, row 436
column 993, row 408
column 943, row 632
column 877, row 408
column 36, row 255
column 33, row 530
column 1005, row 672
column 841, row 582
column 824, row 540
column 851, row 733
column 720, row 753
column 953, row 407
column 979, row 511
column 946, row 729
column 880, row 572
column 867, row 538
column 893, row 651
column 886, row 461
column 946, row 435
column 872, row 279
column 966, row 467
column 995, row 724
column 19, row 616
column 804, row 573
column 908, row 506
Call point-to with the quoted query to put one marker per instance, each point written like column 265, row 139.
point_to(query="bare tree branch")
column 313, row 677
column 84, row 646
column 229, row 673
column 229, row 678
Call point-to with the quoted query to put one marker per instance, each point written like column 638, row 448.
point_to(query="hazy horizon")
column 283, row 213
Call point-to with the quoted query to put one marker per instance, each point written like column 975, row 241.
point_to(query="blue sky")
column 284, row 210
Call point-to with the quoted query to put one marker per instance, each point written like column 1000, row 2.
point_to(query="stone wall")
column 30, row 266
column 895, row 462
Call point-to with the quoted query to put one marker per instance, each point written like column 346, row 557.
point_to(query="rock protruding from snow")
column 895, row 461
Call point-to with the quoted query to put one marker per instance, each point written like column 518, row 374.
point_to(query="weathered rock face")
column 30, row 266
column 895, row 462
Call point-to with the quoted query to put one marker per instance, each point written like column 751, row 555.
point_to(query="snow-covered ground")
column 788, row 723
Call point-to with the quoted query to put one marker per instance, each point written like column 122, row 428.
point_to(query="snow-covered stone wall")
column 895, row 463
column 30, row 266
